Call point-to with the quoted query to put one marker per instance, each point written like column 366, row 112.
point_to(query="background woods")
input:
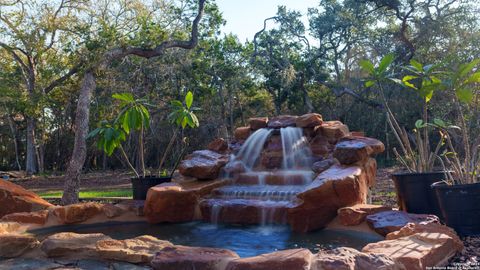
column 288, row 67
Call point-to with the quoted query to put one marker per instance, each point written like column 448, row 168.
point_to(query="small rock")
column 218, row 145
column 137, row 250
column 390, row 221
column 309, row 120
column 334, row 130
column 72, row 244
column 258, row 122
column 77, row 213
column 323, row 165
column 198, row 258
column 112, row 211
column 290, row 259
column 14, row 245
column 354, row 215
column 38, row 217
column 282, row 121
column 242, row 133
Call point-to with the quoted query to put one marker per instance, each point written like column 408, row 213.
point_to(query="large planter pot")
column 460, row 206
column 414, row 192
column 141, row 185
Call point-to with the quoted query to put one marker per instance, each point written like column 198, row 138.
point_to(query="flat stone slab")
column 417, row 251
column 298, row 259
column 354, row 215
column 352, row 149
column 28, row 264
column 390, row 221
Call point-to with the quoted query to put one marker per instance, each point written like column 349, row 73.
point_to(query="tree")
column 31, row 33
column 72, row 176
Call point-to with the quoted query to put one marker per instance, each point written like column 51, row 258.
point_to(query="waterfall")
column 296, row 152
column 252, row 148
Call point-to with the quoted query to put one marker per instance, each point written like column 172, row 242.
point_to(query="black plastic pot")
column 141, row 185
column 414, row 192
column 460, row 206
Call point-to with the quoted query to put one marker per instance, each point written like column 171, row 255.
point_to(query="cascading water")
column 271, row 191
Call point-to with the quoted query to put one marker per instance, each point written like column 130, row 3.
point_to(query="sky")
column 245, row 17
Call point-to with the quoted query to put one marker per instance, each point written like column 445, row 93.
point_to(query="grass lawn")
column 85, row 194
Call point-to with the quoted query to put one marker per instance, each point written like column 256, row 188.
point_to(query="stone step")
column 275, row 178
column 258, row 192
column 243, row 211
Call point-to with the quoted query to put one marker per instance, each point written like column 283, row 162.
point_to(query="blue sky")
column 245, row 17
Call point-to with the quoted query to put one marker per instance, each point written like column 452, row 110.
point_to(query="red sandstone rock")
column 282, row 121
column 203, row 164
column 140, row 249
column 258, row 122
column 337, row 187
column 333, row 130
column 272, row 159
column 370, row 168
column 353, row 149
column 417, row 251
column 290, row 259
column 320, row 146
column 274, row 143
column 198, row 258
column 323, row 165
column 390, row 221
column 72, row 244
column 309, row 120
column 218, row 145
column 242, row 133
column 38, row 217
column 169, row 202
column 14, row 198
column 112, row 211
column 354, row 215
column 77, row 213
column 14, row 245
column 350, row 259
column 413, row 228
column 10, row 227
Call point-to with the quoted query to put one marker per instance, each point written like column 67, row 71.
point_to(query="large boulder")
column 337, row 187
column 14, row 245
column 77, row 213
column 290, row 259
column 356, row 214
column 170, row 202
column 258, row 122
column 203, row 164
column 413, row 228
column 189, row 258
column 352, row 149
column 68, row 244
column 14, row 198
column 173, row 202
column 345, row 258
column 38, row 217
column 417, row 251
column 309, row 120
column 282, row 121
column 389, row 221
column 140, row 249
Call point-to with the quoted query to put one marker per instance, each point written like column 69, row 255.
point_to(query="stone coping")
column 413, row 246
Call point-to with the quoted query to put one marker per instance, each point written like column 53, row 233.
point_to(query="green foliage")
column 183, row 115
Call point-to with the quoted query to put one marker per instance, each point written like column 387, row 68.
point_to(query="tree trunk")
column 72, row 177
column 31, row 161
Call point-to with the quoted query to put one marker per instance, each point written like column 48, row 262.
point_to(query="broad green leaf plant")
column 133, row 116
column 183, row 116
column 423, row 79
column 462, row 159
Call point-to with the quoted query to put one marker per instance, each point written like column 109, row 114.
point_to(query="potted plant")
column 459, row 194
column 134, row 116
column 418, row 158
